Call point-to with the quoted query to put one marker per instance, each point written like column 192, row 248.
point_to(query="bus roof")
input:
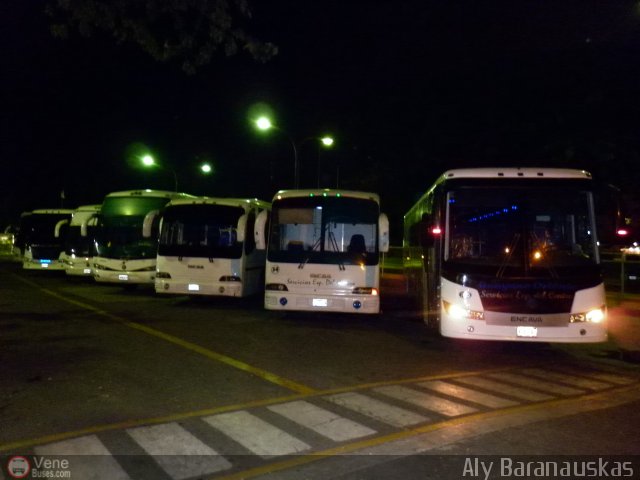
column 149, row 193
column 529, row 172
column 498, row 173
column 232, row 202
column 52, row 211
column 326, row 192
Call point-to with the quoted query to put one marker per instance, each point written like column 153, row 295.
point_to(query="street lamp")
column 264, row 123
column 148, row 161
column 206, row 168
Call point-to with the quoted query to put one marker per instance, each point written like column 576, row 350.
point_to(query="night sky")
column 407, row 88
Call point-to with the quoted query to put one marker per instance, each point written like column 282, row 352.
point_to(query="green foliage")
column 187, row 31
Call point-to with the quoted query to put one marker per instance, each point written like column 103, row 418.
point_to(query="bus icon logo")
column 18, row 467
column 275, row 269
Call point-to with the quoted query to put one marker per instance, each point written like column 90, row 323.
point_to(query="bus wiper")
column 334, row 244
column 307, row 258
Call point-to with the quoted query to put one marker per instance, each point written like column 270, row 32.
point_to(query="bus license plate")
column 320, row 302
column 123, row 277
column 527, row 332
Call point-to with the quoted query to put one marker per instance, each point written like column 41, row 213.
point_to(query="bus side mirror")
column 383, row 232
column 84, row 230
column 241, row 228
column 147, row 224
column 259, row 230
column 59, row 225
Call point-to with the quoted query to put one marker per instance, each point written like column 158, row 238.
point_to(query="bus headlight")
column 229, row 278
column 595, row 315
column 458, row 312
column 365, row 291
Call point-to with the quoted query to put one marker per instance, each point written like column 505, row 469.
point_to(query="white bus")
column 42, row 235
column 508, row 254
column 123, row 255
column 323, row 251
column 77, row 256
column 207, row 247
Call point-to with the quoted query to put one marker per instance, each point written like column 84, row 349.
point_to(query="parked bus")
column 123, row 255
column 323, row 251
column 41, row 238
column 207, row 247
column 77, row 255
column 508, row 254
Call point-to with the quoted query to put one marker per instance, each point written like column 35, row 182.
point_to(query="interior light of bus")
column 622, row 232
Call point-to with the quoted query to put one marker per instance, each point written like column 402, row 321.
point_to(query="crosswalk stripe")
column 535, row 383
column 481, row 398
column 98, row 463
column 390, row 414
column 517, row 392
column 322, row 421
column 605, row 376
column 425, row 400
column 581, row 382
column 255, row 434
column 179, row 453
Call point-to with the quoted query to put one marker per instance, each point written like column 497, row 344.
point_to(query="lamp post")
column 148, row 161
column 264, row 123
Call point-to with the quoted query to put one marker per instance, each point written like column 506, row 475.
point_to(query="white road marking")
column 529, row 382
column 604, row 376
column 517, row 392
column 465, row 393
column 581, row 382
column 98, row 465
column 425, row 400
column 390, row 414
column 255, row 434
column 179, row 453
column 322, row 421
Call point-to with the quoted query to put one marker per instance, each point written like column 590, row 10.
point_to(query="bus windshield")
column 325, row 230
column 76, row 244
column 120, row 232
column 200, row 231
column 40, row 228
column 523, row 231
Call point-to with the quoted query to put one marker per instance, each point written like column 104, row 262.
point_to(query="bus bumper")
column 35, row 264
column 277, row 300
column 224, row 289
column 124, row 277
column 479, row 330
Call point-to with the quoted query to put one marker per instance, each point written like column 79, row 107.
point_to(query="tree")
column 187, row 31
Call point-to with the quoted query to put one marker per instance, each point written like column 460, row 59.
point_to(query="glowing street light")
column 148, row 161
column 206, row 168
column 264, row 123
